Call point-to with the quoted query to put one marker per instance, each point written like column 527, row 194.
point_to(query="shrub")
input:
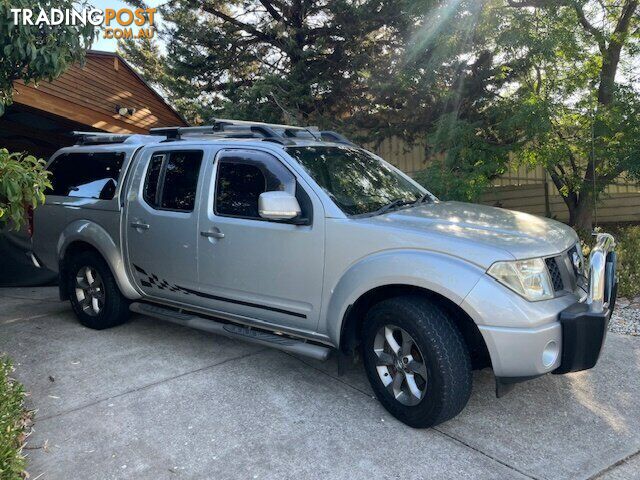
column 23, row 180
column 628, row 239
column 14, row 421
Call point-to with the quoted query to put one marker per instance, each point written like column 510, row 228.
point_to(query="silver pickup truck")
column 296, row 238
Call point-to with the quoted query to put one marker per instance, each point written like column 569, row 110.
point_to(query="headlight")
column 529, row 278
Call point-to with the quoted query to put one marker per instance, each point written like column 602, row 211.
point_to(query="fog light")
column 550, row 353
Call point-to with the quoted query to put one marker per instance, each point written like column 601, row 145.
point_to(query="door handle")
column 140, row 225
column 213, row 234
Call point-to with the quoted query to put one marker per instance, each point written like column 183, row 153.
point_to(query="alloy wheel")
column 400, row 365
column 90, row 291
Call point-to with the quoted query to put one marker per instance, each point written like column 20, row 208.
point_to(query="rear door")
column 161, row 222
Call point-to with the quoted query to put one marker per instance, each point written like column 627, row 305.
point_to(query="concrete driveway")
column 151, row 400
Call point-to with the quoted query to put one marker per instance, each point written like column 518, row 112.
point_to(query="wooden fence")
column 525, row 189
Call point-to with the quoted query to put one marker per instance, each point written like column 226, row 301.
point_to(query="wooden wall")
column 523, row 188
column 613, row 207
column 89, row 94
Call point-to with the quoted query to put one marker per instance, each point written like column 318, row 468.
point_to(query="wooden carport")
column 85, row 97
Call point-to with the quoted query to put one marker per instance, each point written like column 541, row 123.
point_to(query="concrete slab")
column 88, row 365
column 169, row 402
column 266, row 416
column 560, row 426
column 627, row 469
column 31, row 293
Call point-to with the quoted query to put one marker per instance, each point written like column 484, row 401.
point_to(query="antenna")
column 593, row 163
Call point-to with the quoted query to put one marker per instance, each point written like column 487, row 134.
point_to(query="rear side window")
column 86, row 175
column 172, row 179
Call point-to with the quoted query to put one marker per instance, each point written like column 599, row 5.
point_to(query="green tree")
column 570, row 101
column 31, row 53
column 37, row 52
column 374, row 65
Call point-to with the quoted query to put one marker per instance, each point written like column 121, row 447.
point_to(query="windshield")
column 356, row 181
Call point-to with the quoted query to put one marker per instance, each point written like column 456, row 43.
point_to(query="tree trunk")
column 581, row 214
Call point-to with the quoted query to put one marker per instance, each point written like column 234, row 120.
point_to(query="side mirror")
column 278, row 206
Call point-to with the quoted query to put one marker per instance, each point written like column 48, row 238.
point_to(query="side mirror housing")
column 278, row 206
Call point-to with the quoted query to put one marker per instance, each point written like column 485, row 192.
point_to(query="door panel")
column 161, row 226
column 265, row 270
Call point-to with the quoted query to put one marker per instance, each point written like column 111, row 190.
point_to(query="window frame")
column 237, row 152
column 161, row 177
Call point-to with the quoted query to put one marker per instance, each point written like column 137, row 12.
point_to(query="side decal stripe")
column 241, row 302
column 152, row 281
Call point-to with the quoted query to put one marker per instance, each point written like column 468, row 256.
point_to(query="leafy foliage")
column 628, row 249
column 563, row 96
column 371, row 65
column 33, row 53
column 23, row 180
column 14, row 422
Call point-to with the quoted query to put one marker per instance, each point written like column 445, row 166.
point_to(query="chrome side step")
column 231, row 330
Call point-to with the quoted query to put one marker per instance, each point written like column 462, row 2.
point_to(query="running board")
column 231, row 330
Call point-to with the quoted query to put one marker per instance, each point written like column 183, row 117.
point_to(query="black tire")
column 115, row 307
column 445, row 356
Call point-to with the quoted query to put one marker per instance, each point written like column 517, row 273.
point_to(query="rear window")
column 86, row 175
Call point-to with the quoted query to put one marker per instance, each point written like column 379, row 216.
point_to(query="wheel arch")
column 355, row 316
column 84, row 235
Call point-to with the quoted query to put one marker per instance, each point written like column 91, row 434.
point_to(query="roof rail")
column 278, row 133
column 330, row 136
column 97, row 138
column 233, row 128
column 105, row 138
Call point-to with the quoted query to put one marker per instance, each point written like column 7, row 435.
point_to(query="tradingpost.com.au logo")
column 122, row 23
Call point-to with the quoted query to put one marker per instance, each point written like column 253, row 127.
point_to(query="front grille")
column 554, row 272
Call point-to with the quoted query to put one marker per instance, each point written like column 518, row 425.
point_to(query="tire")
column 398, row 380
column 112, row 307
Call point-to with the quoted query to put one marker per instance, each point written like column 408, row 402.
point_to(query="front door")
column 161, row 226
column 249, row 266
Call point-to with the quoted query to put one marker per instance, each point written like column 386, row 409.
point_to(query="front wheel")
column 94, row 293
column 416, row 360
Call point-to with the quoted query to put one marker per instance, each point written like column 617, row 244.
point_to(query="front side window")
column 242, row 177
column 356, row 181
column 86, row 175
column 172, row 179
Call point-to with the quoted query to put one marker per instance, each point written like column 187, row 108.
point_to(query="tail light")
column 30, row 220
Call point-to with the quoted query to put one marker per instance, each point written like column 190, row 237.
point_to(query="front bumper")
column 584, row 328
column 529, row 339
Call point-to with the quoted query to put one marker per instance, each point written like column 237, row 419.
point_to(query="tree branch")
column 271, row 39
column 271, row 9
column 624, row 21
column 597, row 34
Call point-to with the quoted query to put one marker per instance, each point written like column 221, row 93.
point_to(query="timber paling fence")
column 525, row 189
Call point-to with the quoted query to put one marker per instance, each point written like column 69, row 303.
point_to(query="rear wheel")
column 416, row 360
column 94, row 293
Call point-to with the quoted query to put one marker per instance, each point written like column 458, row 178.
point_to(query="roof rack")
column 330, row 136
column 105, row 138
column 241, row 129
column 96, row 138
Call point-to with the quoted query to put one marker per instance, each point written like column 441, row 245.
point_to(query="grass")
column 628, row 250
column 14, row 423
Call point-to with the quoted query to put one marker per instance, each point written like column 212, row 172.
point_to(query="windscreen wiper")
column 391, row 206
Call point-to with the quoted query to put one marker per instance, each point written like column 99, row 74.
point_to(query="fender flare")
column 96, row 236
column 446, row 275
